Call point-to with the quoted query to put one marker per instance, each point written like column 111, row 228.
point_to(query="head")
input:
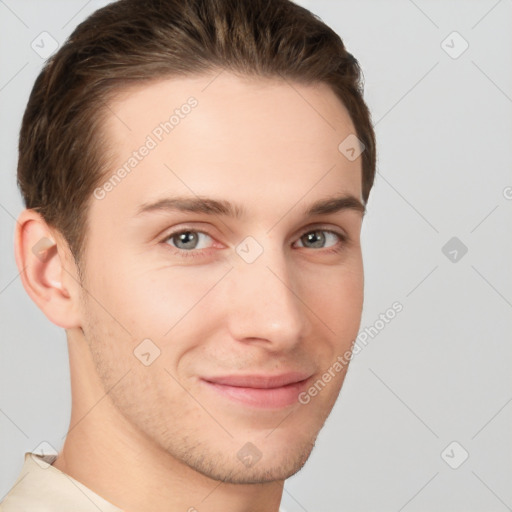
column 184, row 162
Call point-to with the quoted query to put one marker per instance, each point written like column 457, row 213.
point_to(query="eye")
column 317, row 239
column 191, row 243
column 188, row 240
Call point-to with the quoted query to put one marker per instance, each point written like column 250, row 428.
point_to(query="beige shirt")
column 43, row 488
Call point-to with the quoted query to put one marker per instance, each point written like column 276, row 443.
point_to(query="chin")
column 277, row 467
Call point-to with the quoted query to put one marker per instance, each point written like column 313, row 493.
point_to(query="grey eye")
column 187, row 240
column 317, row 238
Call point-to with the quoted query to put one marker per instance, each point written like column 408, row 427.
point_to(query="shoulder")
column 40, row 487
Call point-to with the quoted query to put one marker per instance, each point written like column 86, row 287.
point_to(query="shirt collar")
column 41, row 487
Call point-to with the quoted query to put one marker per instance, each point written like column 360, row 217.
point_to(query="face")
column 213, row 319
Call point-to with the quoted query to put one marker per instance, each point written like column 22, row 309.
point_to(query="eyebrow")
column 210, row 206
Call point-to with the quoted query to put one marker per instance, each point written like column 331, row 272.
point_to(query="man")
column 195, row 175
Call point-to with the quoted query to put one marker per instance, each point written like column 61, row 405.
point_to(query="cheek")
column 170, row 297
column 151, row 300
column 335, row 296
column 173, row 307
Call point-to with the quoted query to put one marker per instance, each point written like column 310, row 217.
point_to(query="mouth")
column 260, row 391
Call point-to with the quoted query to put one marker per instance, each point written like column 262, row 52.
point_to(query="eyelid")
column 324, row 227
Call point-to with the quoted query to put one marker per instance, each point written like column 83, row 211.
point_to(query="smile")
column 260, row 391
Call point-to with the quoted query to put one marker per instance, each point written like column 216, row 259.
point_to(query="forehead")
column 256, row 141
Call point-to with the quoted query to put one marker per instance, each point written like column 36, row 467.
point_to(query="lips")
column 261, row 391
column 259, row 381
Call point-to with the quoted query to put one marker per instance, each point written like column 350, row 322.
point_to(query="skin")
column 155, row 437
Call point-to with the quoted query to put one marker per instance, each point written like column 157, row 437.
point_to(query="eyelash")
column 196, row 253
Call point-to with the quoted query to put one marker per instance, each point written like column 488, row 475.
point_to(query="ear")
column 47, row 269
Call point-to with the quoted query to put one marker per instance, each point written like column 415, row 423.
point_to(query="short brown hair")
column 62, row 155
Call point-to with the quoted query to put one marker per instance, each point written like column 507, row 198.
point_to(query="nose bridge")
column 263, row 295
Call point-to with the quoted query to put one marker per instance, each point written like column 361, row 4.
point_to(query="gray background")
column 440, row 371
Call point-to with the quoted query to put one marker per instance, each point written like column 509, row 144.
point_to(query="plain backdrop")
column 424, row 418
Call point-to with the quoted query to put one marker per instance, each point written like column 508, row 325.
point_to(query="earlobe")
column 47, row 272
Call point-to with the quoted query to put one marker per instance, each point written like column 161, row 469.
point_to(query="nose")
column 265, row 302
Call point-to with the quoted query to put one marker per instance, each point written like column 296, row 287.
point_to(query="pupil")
column 187, row 237
column 316, row 240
